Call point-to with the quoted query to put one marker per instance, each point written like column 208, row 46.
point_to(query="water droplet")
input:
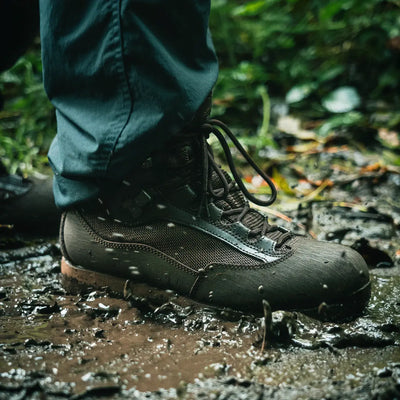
column 261, row 289
column 117, row 221
column 171, row 225
column 115, row 258
column 86, row 377
column 100, row 200
column 161, row 206
column 117, row 234
column 325, row 286
column 134, row 270
column 322, row 308
column 126, row 183
column 136, row 251
column 109, row 250
column 101, row 218
column 148, row 227
column 210, row 293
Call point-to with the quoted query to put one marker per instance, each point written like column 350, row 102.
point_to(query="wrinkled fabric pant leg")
column 123, row 75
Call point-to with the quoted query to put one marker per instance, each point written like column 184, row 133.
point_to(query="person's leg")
column 132, row 75
column 123, row 76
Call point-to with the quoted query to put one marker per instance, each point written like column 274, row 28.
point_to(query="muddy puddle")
column 157, row 345
column 91, row 344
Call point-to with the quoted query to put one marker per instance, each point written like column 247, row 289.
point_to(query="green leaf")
column 331, row 73
column 333, row 8
column 299, row 92
column 341, row 100
column 250, row 8
column 348, row 119
column 10, row 77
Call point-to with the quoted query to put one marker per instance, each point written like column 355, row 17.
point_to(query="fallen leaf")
column 390, row 137
column 373, row 168
column 292, row 126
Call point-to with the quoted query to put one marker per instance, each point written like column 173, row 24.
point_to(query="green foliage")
column 27, row 123
column 304, row 51
column 333, row 61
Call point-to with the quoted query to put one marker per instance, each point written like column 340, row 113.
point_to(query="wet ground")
column 157, row 345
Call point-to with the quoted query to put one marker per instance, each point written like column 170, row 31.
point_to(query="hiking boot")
column 181, row 223
column 27, row 205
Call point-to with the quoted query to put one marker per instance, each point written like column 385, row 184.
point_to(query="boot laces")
column 227, row 188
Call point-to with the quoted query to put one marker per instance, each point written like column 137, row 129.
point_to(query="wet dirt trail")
column 157, row 345
column 62, row 345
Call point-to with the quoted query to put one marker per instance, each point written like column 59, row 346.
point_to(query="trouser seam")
column 121, row 73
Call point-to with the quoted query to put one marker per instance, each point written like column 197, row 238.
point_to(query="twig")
column 267, row 322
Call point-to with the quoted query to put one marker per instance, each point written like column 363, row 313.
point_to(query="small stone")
column 384, row 372
column 100, row 334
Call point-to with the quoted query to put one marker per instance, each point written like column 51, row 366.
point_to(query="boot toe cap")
column 316, row 273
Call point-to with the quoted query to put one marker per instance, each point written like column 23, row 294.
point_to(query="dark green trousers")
column 123, row 76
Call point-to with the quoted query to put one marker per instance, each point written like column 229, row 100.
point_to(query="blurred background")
column 310, row 87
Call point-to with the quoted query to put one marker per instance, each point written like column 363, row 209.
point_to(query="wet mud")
column 57, row 342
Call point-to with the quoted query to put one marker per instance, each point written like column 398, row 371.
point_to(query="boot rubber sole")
column 75, row 279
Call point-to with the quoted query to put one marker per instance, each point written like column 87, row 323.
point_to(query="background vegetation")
column 334, row 60
column 27, row 120
column 334, row 64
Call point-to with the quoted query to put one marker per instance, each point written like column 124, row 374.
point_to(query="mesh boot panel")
column 187, row 245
